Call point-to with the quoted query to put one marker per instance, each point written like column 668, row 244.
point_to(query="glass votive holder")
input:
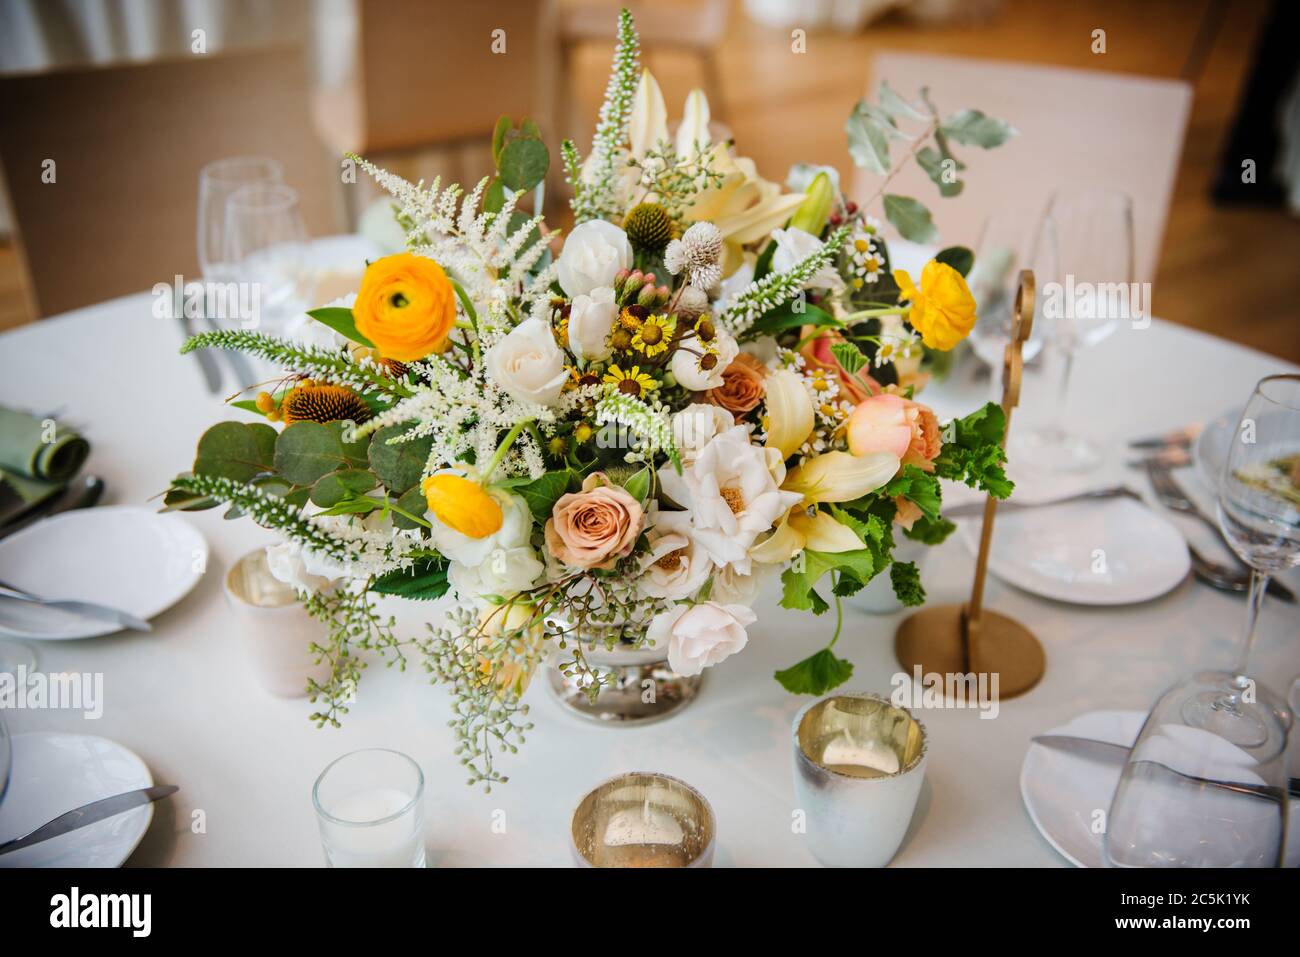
column 370, row 807
column 276, row 631
column 642, row 819
column 858, row 766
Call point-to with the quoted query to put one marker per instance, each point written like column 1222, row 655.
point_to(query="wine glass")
column 218, row 181
column 1011, row 240
column 1224, row 726
column 266, row 254
column 1085, row 247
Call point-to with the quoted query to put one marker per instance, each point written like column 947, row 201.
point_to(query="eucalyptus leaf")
column 333, row 488
column 910, row 218
column 868, row 143
column 413, row 501
column 307, row 450
column 937, row 168
column 977, row 129
column 401, row 464
column 499, row 132
column 236, row 450
column 897, row 105
column 523, row 163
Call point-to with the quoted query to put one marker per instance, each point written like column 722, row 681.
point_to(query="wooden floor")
column 1231, row 271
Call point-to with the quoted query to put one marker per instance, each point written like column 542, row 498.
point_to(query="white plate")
column 1063, row 792
column 54, row 773
column 124, row 556
column 1112, row 552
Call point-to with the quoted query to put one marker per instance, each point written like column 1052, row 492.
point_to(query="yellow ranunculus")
column 462, row 505
column 789, row 412
column 406, row 306
column 943, row 309
column 841, row 477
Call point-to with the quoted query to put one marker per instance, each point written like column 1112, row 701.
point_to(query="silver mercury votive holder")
column 643, row 819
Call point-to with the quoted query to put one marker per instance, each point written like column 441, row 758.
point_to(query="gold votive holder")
column 859, row 762
column 643, row 819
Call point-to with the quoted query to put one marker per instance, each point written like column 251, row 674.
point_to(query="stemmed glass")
column 265, row 251
column 1011, row 240
column 6, row 758
column 1223, row 726
column 1085, row 248
column 217, row 183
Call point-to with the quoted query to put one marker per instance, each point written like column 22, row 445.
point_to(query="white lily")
column 694, row 129
column 841, row 477
column 648, row 124
column 797, row 530
column 789, row 412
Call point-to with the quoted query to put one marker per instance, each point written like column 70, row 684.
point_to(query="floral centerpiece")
column 614, row 436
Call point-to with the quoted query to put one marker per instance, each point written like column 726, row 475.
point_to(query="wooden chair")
column 124, row 146
column 1079, row 129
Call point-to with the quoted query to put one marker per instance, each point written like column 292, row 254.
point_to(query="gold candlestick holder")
column 968, row 638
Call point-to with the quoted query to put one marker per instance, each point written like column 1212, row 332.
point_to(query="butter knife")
column 1111, row 753
column 89, row 814
column 85, row 609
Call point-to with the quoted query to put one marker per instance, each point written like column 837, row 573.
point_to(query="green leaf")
column 401, row 464
column 977, row 129
column 906, row 580
column 248, row 405
column 849, row 356
column 930, row 531
column 425, row 581
column 504, row 125
column 917, row 486
column 764, row 264
column 413, row 501
column 786, row 317
column 972, row 451
column 910, row 218
column 958, row 257
column 523, row 163
column 307, row 450
column 541, row 493
column 333, row 488
column 801, row 577
column 638, row 484
column 941, row 170
column 183, row 500
column 341, row 321
column 236, row 450
column 353, row 506
column 898, row 106
column 494, row 197
column 816, row 674
column 868, row 140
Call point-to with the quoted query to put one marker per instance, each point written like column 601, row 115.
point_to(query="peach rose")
column 926, row 443
column 596, row 527
column 817, row 353
column 742, row 385
column 891, row 423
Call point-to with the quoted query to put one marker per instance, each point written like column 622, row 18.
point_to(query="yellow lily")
column 798, row 530
column 841, row 477
column 789, row 412
column 744, row 206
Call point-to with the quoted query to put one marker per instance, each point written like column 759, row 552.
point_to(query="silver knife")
column 83, row 494
column 89, row 814
column 1112, row 753
column 85, row 609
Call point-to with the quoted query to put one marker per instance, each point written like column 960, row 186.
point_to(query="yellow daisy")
column 654, row 336
column 631, row 382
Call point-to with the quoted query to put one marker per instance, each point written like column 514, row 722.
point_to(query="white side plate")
column 124, row 556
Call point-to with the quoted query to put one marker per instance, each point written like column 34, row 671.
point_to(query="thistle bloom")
column 943, row 309
column 406, row 306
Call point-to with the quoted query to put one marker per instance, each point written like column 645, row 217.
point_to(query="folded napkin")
column 36, row 461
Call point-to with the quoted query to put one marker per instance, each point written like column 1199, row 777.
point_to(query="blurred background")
column 1190, row 106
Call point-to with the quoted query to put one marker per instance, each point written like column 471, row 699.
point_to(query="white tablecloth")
column 184, row 700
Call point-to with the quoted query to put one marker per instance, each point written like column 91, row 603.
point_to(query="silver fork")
column 1171, row 496
column 977, row 508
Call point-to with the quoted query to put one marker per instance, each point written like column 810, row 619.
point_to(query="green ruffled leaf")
column 917, row 486
column 930, row 531
column 972, row 451
column 816, row 674
column 906, row 580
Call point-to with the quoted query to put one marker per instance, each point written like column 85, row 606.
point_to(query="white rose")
column 591, row 319
column 699, row 636
column 516, row 524
column 731, row 587
column 288, row 563
column 528, row 364
column 686, row 363
column 695, row 425
column 795, row 245
column 592, row 255
column 505, row 572
column 733, row 285
column 732, row 493
column 674, row 567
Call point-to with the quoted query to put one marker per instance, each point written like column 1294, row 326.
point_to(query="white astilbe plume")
column 697, row 254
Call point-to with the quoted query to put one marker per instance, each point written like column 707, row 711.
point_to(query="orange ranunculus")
column 462, row 505
column 943, row 309
column 406, row 306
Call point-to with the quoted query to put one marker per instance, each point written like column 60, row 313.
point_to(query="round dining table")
column 185, row 699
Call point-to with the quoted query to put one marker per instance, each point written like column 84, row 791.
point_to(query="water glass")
column 217, row 183
column 266, row 253
column 370, row 808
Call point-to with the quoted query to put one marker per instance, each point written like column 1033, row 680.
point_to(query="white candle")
column 395, row 843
